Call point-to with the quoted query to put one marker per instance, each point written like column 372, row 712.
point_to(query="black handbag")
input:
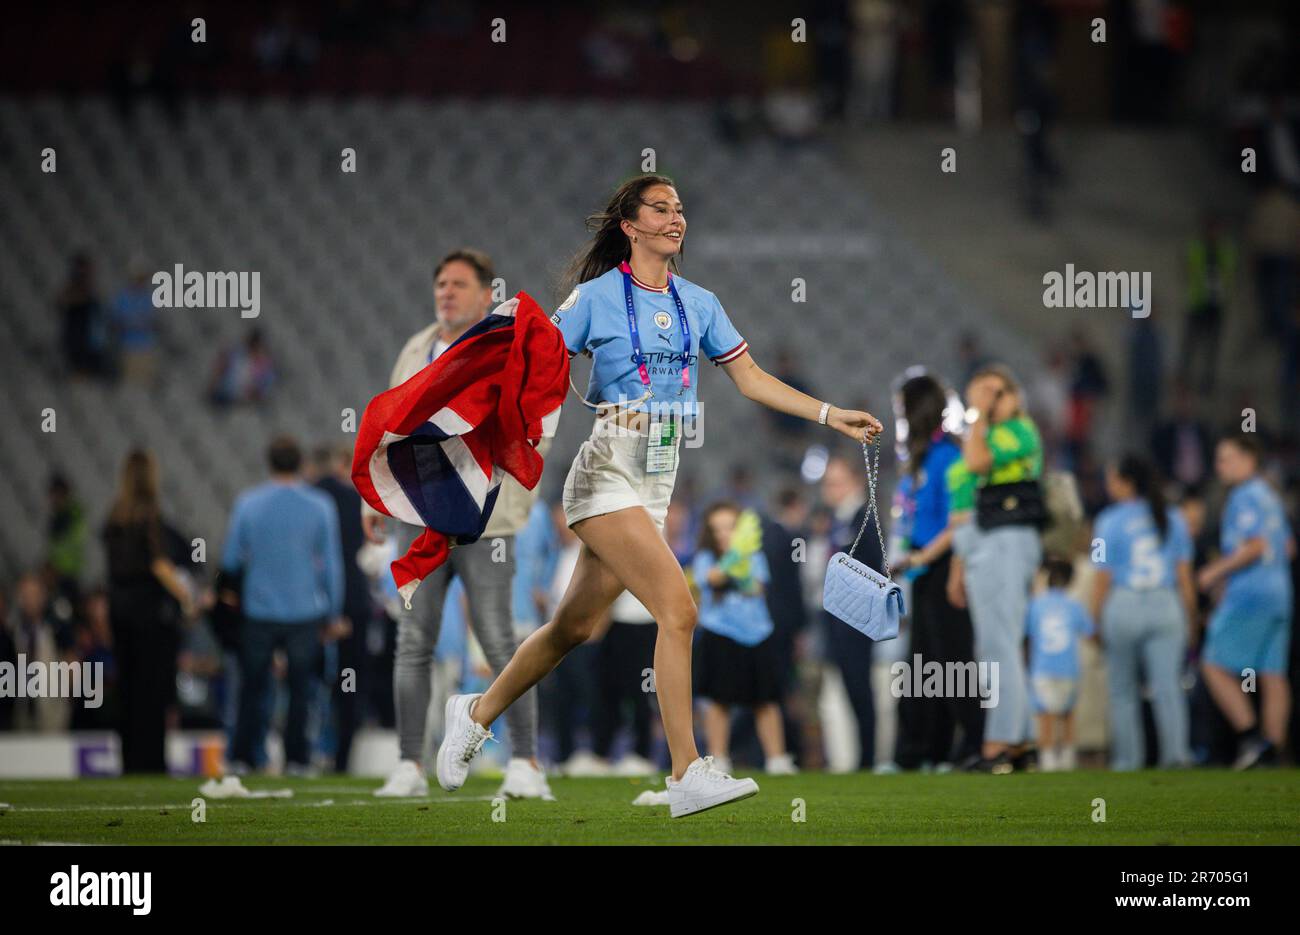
column 1020, row 503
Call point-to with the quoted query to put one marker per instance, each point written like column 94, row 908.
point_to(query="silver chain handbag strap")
column 871, row 457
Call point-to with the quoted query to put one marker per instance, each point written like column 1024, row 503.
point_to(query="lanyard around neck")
column 642, row 370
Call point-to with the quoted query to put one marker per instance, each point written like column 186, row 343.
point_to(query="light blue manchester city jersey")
column 1253, row 511
column 1054, row 626
column 594, row 319
column 1135, row 555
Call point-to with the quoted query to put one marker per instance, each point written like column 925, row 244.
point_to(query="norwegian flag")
column 433, row 451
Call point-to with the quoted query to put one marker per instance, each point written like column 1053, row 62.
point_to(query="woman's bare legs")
column 631, row 546
column 591, row 590
column 623, row 549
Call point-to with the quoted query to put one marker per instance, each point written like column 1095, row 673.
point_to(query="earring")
column 633, row 240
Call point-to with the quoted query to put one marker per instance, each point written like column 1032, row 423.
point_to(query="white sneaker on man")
column 782, row 765
column 525, row 781
column 461, row 741
column 703, row 786
column 1049, row 760
column 633, row 765
column 584, row 764
column 405, row 782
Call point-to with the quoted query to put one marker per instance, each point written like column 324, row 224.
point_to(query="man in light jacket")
column 462, row 292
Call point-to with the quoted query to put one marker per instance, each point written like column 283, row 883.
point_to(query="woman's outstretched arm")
column 757, row 384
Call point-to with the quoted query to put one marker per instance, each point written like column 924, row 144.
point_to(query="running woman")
column 462, row 293
column 644, row 328
column 1250, row 629
column 1143, row 596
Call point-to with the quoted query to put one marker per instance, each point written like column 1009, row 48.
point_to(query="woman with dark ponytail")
column 941, row 631
column 644, row 328
column 1144, row 598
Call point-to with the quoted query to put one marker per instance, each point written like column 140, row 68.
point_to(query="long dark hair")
column 924, row 400
column 609, row 245
column 1140, row 472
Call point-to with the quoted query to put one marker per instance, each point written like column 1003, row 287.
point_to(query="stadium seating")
column 345, row 264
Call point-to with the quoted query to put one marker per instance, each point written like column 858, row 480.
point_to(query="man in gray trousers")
column 462, row 292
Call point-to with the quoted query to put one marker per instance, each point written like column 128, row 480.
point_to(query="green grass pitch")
column 1186, row 807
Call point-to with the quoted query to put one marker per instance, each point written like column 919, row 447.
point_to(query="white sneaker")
column 1049, row 760
column 703, row 787
column 1067, row 759
column 583, row 765
column 407, row 781
column 782, row 765
column 525, row 781
column 721, row 763
column 461, row 741
column 634, row 765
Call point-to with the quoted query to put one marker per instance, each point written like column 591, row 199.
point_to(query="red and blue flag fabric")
column 433, row 451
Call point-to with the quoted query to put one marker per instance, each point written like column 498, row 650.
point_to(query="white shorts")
column 609, row 474
column 1053, row 695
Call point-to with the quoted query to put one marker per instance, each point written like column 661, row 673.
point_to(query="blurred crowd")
column 176, row 644
column 183, row 647
column 117, row 337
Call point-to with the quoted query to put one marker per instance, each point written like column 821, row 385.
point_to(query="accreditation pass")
column 661, row 447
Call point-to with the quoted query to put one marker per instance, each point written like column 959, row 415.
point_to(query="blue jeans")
column 999, row 569
column 1147, row 628
column 258, row 641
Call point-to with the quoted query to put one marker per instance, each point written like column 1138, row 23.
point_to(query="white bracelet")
column 821, row 418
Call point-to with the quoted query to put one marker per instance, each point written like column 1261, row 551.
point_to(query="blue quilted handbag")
column 859, row 595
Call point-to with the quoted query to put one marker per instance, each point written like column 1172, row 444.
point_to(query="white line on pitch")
column 281, row 802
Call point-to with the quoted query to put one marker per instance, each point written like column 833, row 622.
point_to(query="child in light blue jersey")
column 1055, row 624
column 736, row 661
column 1249, row 632
column 1143, row 596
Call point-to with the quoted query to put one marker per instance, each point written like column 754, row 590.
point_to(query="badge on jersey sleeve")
column 567, row 304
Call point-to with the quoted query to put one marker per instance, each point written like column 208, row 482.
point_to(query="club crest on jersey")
column 569, row 302
column 663, row 320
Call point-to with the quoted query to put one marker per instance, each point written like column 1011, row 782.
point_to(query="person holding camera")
column 999, row 555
